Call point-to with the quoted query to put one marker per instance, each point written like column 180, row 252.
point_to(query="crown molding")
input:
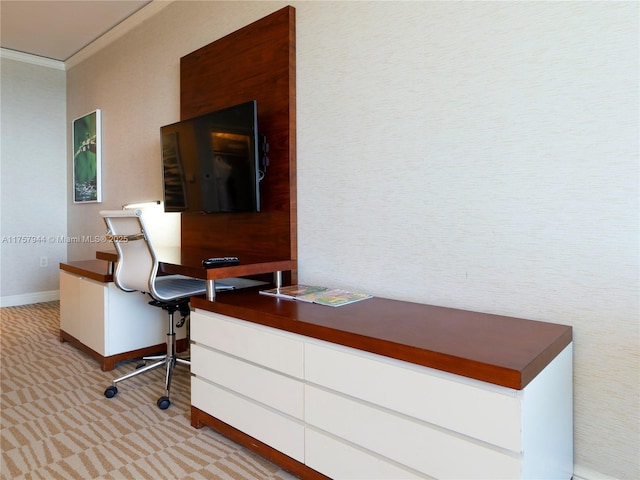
column 118, row 31
column 29, row 58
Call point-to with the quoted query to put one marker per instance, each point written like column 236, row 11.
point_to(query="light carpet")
column 56, row 422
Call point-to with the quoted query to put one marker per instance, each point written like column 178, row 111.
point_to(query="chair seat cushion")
column 173, row 287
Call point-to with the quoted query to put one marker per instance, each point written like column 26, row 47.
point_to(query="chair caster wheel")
column 110, row 392
column 163, row 403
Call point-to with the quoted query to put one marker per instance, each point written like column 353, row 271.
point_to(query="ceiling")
column 58, row 29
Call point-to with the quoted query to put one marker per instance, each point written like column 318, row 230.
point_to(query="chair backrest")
column 137, row 262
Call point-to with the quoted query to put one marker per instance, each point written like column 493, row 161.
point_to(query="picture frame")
column 87, row 158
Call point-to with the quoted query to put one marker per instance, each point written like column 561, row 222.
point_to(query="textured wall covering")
column 34, row 207
column 484, row 156
column 479, row 155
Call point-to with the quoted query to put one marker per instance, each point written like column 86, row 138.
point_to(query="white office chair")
column 137, row 270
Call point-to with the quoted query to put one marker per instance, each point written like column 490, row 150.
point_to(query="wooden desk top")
column 188, row 261
column 94, row 269
column 497, row 349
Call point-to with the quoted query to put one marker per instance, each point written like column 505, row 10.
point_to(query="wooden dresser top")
column 497, row 349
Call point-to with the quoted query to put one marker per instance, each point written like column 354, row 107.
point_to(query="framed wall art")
column 87, row 158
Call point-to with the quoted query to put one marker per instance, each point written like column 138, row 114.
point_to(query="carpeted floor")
column 56, row 423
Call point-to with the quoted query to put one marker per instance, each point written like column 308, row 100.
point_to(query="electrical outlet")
column 44, row 261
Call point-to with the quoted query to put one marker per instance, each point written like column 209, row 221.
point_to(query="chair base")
column 168, row 361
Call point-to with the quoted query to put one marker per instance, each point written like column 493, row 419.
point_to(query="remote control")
column 215, row 262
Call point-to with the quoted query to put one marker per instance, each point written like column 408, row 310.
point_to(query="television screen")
column 210, row 162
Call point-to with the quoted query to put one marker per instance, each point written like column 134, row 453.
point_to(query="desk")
column 106, row 323
column 188, row 261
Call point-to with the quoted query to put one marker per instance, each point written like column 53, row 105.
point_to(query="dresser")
column 383, row 389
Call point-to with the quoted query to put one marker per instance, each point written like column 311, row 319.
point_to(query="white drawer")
column 491, row 414
column 265, row 386
column 255, row 343
column 419, row 446
column 83, row 307
column 339, row 460
column 278, row 431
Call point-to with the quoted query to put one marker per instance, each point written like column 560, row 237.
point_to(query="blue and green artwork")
column 86, row 158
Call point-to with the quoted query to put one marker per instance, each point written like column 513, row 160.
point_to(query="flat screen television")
column 210, row 163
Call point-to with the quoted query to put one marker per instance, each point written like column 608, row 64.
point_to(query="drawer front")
column 339, row 460
column 278, row 431
column 262, row 345
column 490, row 414
column 83, row 305
column 264, row 386
column 425, row 448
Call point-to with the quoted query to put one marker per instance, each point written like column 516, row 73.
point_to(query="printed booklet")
column 333, row 297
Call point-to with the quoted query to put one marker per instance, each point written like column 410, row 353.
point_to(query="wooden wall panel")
column 255, row 62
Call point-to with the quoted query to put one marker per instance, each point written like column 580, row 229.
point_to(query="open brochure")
column 333, row 297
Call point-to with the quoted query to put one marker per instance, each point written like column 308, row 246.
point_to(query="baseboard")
column 584, row 473
column 28, row 298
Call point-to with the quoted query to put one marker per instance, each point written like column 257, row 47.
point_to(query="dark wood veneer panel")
column 255, row 62
column 497, row 349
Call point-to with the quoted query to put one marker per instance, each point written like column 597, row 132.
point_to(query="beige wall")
column 479, row 155
column 33, row 215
